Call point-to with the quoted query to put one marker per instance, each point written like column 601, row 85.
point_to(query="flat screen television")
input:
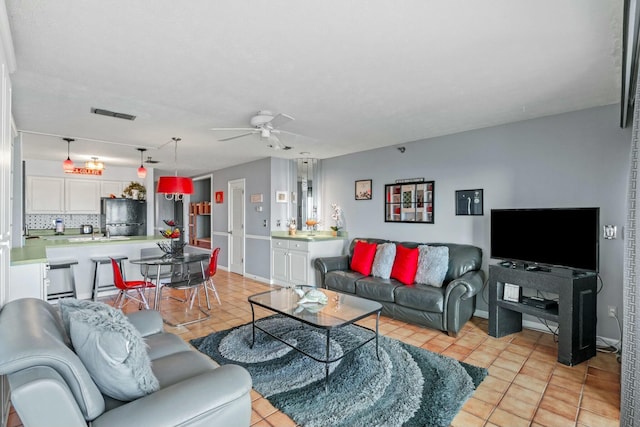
column 561, row 237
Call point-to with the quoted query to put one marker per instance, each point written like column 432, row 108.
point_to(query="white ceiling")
column 356, row 74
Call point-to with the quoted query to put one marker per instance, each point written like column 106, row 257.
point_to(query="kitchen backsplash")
column 47, row 222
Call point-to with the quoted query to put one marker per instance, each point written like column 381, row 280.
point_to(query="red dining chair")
column 126, row 286
column 211, row 271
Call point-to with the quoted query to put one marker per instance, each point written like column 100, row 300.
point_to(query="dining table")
column 180, row 269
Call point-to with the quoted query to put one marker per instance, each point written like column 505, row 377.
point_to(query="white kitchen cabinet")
column 45, row 195
column 28, row 281
column 292, row 260
column 107, row 188
column 82, row 196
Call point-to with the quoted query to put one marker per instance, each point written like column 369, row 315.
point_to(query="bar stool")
column 97, row 262
column 60, row 265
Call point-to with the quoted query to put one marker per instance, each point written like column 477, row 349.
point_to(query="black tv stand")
column 575, row 313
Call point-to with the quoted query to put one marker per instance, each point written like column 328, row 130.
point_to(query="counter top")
column 318, row 236
column 34, row 250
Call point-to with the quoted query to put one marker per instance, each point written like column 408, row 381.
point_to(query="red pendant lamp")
column 175, row 187
column 142, row 171
column 67, row 165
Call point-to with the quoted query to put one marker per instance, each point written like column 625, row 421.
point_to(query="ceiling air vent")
column 112, row 114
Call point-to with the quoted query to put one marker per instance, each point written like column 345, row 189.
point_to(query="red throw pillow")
column 363, row 254
column 405, row 265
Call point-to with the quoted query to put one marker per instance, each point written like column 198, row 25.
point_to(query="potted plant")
column 336, row 216
column 135, row 190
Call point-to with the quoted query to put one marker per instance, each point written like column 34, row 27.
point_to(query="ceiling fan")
column 266, row 125
column 151, row 161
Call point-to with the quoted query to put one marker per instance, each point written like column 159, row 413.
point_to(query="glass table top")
column 339, row 310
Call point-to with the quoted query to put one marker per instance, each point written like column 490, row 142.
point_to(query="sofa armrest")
column 472, row 282
column 220, row 397
column 42, row 397
column 147, row 322
column 327, row 264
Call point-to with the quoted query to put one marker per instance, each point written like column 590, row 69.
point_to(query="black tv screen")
column 564, row 237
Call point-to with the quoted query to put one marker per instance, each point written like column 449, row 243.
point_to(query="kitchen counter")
column 35, row 249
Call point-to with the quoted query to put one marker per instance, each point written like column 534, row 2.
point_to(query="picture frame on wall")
column 363, row 189
column 469, row 202
column 281, row 197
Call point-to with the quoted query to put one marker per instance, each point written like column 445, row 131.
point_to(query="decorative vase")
column 334, row 233
column 292, row 232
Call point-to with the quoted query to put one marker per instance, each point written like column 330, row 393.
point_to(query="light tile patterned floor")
column 525, row 386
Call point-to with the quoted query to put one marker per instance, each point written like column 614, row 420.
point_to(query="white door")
column 236, row 226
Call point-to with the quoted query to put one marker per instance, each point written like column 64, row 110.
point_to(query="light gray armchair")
column 50, row 386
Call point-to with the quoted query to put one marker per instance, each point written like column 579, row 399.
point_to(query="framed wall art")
column 409, row 202
column 363, row 189
column 219, row 196
column 469, row 202
column 281, row 197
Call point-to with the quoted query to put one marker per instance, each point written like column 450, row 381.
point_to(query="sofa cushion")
column 363, row 254
column 421, row 297
column 71, row 305
column 342, row 280
column 377, row 289
column 383, row 261
column 177, row 367
column 405, row 264
column 433, row 263
column 114, row 353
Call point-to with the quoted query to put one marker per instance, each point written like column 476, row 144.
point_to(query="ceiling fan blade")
column 280, row 119
column 237, row 136
column 231, row 129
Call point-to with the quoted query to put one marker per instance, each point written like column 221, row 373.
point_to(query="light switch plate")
column 609, row 231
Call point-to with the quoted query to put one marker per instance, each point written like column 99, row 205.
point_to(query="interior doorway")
column 236, row 226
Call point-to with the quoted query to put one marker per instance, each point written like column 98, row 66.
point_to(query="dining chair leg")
column 213, row 288
column 143, row 299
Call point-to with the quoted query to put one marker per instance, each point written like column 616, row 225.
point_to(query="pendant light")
column 94, row 164
column 175, row 187
column 67, row 165
column 142, row 171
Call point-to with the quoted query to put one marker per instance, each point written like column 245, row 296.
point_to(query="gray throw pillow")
column 71, row 305
column 114, row 353
column 433, row 263
column 383, row 260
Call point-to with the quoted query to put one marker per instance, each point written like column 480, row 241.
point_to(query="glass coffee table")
column 339, row 311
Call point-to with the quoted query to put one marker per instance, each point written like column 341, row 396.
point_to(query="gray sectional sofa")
column 51, row 386
column 447, row 308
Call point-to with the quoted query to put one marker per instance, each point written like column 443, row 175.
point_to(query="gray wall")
column 576, row 159
column 257, row 176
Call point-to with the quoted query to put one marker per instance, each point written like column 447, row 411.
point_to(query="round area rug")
column 406, row 386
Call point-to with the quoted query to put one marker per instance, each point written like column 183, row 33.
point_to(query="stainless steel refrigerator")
column 123, row 217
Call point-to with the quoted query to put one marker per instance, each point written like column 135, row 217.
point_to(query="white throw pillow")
column 114, row 353
column 383, row 260
column 433, row 263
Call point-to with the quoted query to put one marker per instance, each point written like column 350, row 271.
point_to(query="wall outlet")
column 613, row 311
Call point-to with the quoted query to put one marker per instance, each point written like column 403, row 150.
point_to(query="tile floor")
column 525, row 385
